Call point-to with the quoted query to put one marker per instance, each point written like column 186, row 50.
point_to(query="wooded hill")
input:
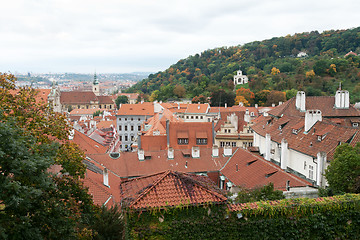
column 270, row 65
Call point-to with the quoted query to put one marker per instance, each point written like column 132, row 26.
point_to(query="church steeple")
column 95, row 85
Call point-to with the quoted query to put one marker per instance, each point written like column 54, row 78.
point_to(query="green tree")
column 154, row 96
column 343, row 173
column 290, row 93
column 179, row 91
column 109, row 223
column 220, row 97
column 264, row 193
column 122, row 99
column 36, row 205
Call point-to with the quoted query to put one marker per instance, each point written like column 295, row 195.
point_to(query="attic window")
column 201, row 141
column 252, row 114
column 114, row 155
column 183, row 141
column 270, row 174
column 294, row 131
column 251, row 162
column 355, row 124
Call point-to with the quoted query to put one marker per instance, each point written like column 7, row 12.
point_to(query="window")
column 201, row 141
column 252, row 114
column 183, row 141
column 132, row 128
column 311, row 172
column 208, row 119
column 222, row 144
column 192, row 117
column 120, row 138
column 125, row 119
column 138, row 119
column 294, row 131
column 110, row 106
column 304, row 165
column 201, row 117
column 119, row 119
column 233, row 144
column 225, row 130
column 125, row 127
column 250, row 144
column 139, row 128
column 355, row 124
column 197, row 117
column 132, row 119
column 119, row 127
column 99, row 106
column 187, row 117
column 126, row 138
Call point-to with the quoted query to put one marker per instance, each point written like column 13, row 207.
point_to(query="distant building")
column 239, row 78
column 129, row 119
column 302, row 55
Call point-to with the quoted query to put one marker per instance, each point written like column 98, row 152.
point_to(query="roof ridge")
column 165, row 173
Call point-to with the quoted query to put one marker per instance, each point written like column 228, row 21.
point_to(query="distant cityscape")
column 109, row 82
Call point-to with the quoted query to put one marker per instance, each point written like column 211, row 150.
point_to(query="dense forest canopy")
column 272, row 65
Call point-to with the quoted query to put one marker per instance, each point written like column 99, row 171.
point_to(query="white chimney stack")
column 311, row 117
column 321, row 159
column 300, row 101
column 215, row 151
column 195, row 152
column 342, row 99
column 225, row 105
column 141, row 155
column 267, row 146
column 284, row 154
column 227, row 151
column 106, row 177
column 170, row 153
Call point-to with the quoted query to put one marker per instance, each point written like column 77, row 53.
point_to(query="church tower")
column 95, row 86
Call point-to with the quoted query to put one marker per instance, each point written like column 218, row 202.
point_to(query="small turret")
column 95, row 86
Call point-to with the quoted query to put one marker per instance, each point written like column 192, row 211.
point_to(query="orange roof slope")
column 191, row 131
column 88, row 145
column 169, row 189
column 77, row 97
column 247, row 170
column 139, row 109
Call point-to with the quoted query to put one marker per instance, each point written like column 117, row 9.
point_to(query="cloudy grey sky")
column 121, row 36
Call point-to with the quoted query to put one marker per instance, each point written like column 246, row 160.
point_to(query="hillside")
column 270, row 65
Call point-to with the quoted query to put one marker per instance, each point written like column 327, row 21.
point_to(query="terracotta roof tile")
column 248, row 170
column 77, row 97
column 139, row 109
column 169, row 189
column 88, row 145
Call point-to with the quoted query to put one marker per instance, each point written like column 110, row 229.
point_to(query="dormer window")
column 319, row 138
column 355, row 124
column 252, row 114
column 201, row 141
column 294, row 131
column 183, row 141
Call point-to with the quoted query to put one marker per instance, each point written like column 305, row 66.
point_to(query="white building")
column 239, row 78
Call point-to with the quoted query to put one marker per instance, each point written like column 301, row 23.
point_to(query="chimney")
column 267, row 146
column 342, row 99
column 215, row 151
column 195, row 152
column 284, row 154
column 141, row 154
column 273, row 104
column 300, row 101
column 170, row 153
column 106, row 177
column 280, row 103
column 178, row 105
column 167, row 133
column 311, row 117
column 256, row 105
column 247, row 116
column 225, row 105
column 213, row 131
column 321, row 159
column 139, row 140
column 227, row 151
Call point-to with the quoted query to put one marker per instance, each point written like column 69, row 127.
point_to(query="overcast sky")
column 120, row 36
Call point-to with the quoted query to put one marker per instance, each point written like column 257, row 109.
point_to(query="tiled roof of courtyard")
column 169, row 188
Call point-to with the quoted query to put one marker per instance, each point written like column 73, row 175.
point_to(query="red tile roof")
column 105, row 100
column 77, row 97
column 306, row 143
column 248, row 170
column 169, row 188
column 88, row 145
column 128, row 164
column 189, row 130
column 223, row 119
column 323, row 103
column 139, row 109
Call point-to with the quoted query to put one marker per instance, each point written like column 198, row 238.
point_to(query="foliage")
column 213, row 69
column 275, row 97
column 247, row 94
column 264, row 193
column 199, row 99
column 325, row 218
column 37, row 206
column 220, row 97
column 109, row 223
column 97, row 113
column 179, row 91
column 343, row 173
column 122, row 99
